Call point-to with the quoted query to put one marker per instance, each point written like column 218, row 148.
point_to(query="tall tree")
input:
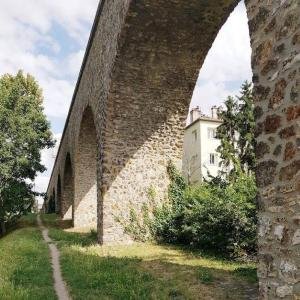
column 246, row 126
column 24, row 132
column 236, row 134
column 227, row 134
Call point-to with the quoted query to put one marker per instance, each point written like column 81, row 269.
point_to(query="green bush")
column 208, row 216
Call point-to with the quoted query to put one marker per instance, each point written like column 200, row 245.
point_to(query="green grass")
column 25, row 270
column 138, row 271
column 248, row 273
column 146, row 271
column 205, row 275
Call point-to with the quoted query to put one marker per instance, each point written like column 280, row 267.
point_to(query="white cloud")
column 57, row 94
column 210, row 93
column 41, row 183
column 228, row 61
column 25, row 29
column 74, row 61
column 40, row 15
column 48, row 158
column 48, row 155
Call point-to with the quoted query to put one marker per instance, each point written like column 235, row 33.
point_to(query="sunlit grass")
column 25, row 269
column 148, row 271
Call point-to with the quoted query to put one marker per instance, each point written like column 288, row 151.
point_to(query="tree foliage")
column 236, row 134
column 24, row 131
column 246, row 126
column 209, row 216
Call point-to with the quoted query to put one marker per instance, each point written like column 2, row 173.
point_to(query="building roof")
column 204, row 118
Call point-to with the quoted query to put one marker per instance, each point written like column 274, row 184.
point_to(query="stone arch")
column 58, row 196
column 152, row 81
column 68, row 189
column 139, row 72
column 85, row 200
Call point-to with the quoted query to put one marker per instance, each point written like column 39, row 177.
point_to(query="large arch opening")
column 85, row 200
column 158, row 59
column 68, row 190
column 227, row 66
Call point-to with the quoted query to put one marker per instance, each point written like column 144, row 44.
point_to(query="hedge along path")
column 59, row 284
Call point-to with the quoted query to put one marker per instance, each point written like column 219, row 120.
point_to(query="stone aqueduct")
column 128, row 113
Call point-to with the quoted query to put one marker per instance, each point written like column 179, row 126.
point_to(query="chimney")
column 219, row 110
column 214, row 112
column 195, row 114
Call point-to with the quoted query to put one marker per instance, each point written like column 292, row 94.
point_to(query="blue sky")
column 47, row 38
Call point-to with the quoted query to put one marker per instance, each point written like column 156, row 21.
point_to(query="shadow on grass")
column 147, row 271
column 92, row 276
column 58, row 230
column 53, row 220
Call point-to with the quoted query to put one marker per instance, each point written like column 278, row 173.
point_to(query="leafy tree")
column 24, row 132
column 236, row 134
column 221, row 218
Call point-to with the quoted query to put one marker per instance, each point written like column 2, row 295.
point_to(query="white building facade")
column 200, row 156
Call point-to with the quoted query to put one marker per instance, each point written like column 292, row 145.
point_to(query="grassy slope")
column 25, row 270
column 147, row 271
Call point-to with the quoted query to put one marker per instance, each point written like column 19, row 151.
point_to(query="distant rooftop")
column 196, row 115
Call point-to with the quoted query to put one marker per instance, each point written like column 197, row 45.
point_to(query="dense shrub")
column 217, row 217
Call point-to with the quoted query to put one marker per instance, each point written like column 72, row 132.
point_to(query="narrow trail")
column 59, row 284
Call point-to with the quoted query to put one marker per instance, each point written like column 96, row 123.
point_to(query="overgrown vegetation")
column 208, row 216
column 24, row 131
column 138, row 224
column 220, row 218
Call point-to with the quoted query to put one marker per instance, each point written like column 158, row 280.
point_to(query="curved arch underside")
column 160, row 50
column 85, row 199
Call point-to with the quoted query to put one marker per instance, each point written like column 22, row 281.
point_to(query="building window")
column 194, row 133
column 211, row 132
column 212, row 159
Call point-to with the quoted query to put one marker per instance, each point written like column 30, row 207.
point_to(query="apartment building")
column 200, row 144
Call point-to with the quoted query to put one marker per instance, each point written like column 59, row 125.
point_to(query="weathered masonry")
column 129, row 107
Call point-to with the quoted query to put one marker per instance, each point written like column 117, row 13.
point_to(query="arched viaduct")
column 128, row 113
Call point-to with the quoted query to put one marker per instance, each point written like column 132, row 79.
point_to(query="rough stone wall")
column 161, row 48
column 85, row 198
column 275, row 37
